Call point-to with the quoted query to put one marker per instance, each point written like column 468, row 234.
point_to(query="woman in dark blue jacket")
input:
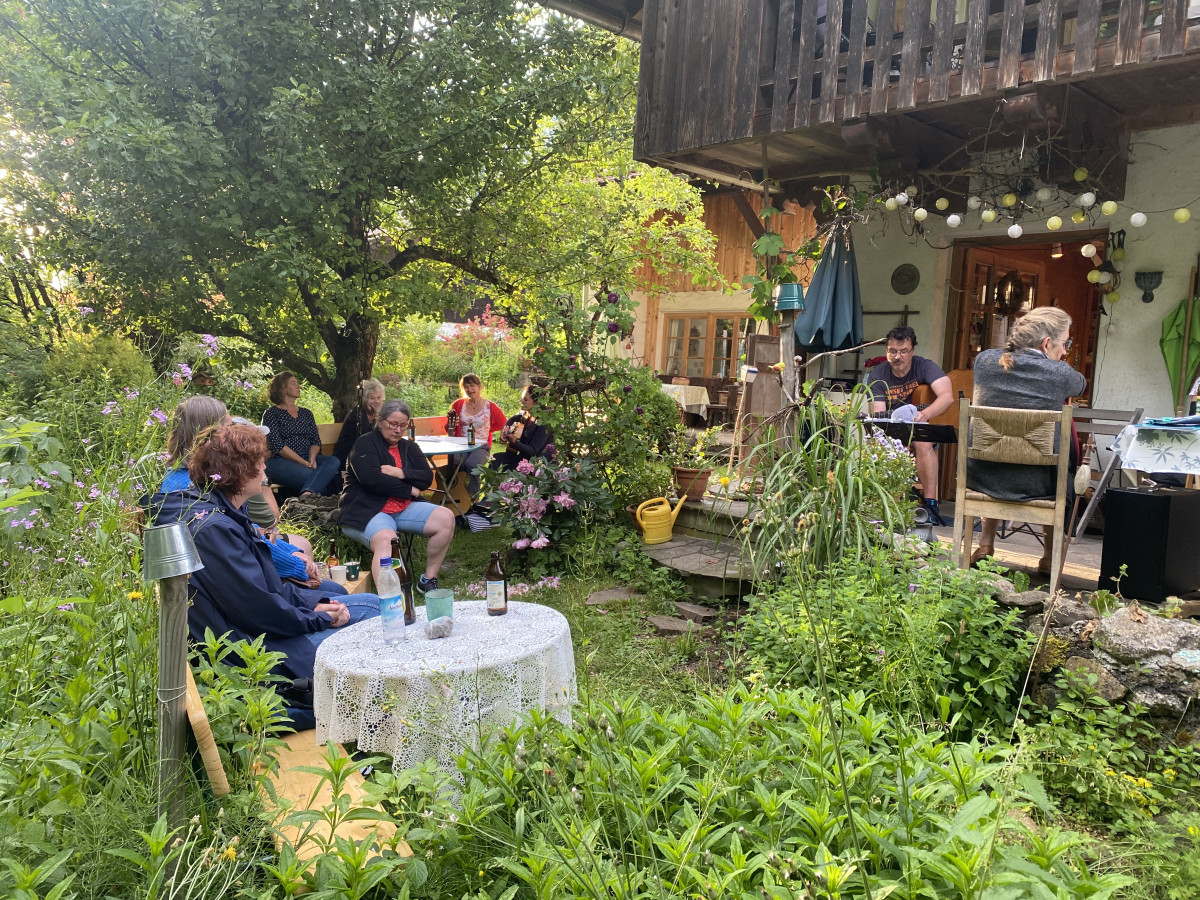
column 239, row 592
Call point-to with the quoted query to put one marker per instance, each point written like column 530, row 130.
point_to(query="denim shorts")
column 411, row 520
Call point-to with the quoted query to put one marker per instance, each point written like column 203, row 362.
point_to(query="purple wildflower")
column 613, row 327
column 613, row 297
column 86, row 310
column 628, row 388
column 110, row 407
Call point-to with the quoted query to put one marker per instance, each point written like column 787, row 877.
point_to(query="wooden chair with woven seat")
column 1027, row 437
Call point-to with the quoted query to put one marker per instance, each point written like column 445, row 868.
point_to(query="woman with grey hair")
column 359, row 420
column 1029, row 373
column 385, row 476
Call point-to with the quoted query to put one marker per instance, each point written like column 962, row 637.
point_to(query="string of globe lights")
column 1012, row 205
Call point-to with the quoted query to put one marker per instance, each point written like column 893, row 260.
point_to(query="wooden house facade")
column 968, row 101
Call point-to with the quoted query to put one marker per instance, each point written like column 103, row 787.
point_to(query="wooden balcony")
column 730, row 88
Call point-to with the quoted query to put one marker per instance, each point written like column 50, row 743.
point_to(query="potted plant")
column 691, row 461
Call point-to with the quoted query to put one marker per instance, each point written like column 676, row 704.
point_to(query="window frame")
column 709, row 338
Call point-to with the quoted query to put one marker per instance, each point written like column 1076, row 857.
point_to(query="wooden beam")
column 753, row 219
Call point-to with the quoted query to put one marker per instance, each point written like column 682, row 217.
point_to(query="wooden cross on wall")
column 904, row 313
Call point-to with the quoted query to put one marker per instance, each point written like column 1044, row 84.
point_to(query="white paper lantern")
column 1105, row 277
column 920, row 214
column 902, row 198
column 1086, row 199
column 1088, row 250
column 954, row 220
column 1015, row 230
column 1044, row 194
column 974, row 203
column 1137, row 220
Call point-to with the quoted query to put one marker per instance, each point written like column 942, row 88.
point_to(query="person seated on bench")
column 238, row 592
column 384, row 480
column 359, row 420
column 472, row 409
column 296, row 458
column 522, row 436
column 291, row 553
column 1028, row 374
column 892, row 384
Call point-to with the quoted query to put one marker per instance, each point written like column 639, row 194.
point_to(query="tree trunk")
column 353, row 351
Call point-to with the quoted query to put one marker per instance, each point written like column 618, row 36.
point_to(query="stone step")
column 694, row 612
column 713, row 568
column 669, row 626
column 611, row 595
column 711, row 516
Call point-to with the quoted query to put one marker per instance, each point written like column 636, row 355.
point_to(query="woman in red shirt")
column 472, row 409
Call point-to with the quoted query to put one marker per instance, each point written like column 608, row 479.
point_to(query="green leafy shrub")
column 735, row 795
column 928, row 640
column 96, row 356
column 830, row 492
column 598, row 405
column 1106, row 761
column 421, row 365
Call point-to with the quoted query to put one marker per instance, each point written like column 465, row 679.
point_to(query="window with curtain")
column 708, row 345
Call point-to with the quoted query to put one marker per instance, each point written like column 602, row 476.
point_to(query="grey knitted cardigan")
column 1034, row 382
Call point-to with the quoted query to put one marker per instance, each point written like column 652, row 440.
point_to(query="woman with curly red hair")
column 239, row 592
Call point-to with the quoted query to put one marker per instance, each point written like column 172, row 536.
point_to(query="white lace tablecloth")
column 430, row 699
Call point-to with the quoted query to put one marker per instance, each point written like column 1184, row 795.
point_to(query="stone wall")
column 1135, row 655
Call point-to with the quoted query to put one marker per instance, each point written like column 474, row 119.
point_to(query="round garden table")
column 431, row 699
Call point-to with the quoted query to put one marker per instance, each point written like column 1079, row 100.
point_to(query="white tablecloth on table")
column 692, row 397
column 1150, row 448
column 439, row 445
column 431, row 699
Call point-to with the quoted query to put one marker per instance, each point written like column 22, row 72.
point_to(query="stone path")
column 713, row 569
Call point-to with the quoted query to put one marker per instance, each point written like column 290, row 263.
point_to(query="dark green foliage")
column 733, row 795
column 920, row 641
column 1105, row 761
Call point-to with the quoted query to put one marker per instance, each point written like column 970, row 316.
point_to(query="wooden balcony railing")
column 722, row 70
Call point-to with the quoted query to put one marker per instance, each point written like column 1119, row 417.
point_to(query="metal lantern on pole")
column 168, row 557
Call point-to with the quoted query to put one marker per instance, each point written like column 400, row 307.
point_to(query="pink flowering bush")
column 546, row 499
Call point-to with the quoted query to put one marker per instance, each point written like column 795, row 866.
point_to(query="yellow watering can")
column 657, row 519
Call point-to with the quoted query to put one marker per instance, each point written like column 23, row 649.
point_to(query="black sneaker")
column 935, row 516
column 425, row 585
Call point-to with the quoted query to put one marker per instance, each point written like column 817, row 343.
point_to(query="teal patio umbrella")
column 832, row 314
column 1180, row 345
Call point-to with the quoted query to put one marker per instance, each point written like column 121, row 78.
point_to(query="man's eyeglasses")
column 897, row 351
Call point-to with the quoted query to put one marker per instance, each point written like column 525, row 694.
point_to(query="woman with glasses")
column 385, row 476
column 1029, row 373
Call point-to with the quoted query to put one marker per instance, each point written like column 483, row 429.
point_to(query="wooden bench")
column 329, row 433
column 294, row 789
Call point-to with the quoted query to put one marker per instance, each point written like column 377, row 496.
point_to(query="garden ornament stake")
column 168, row 556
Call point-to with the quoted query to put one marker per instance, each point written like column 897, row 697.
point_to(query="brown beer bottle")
column 406, row 587
column 333, row 559
column 497, row 587
column 470, row 434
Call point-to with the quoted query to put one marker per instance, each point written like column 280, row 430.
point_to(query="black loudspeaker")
column 1155, row 533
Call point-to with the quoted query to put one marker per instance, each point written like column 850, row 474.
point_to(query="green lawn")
column 617, row 652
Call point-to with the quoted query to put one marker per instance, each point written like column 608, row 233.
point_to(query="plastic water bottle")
column 391, row 602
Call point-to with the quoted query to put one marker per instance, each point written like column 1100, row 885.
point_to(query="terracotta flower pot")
column 692, row 483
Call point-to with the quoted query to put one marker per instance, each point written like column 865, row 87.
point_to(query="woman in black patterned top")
column 296, row 459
